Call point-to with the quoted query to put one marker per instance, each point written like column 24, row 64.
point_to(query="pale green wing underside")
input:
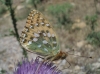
column 38, row 35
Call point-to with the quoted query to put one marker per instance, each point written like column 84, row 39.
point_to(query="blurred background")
column 76, row 22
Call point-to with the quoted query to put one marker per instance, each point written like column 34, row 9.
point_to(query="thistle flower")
column 36, row 67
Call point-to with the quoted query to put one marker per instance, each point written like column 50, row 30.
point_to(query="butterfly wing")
column 38, row 35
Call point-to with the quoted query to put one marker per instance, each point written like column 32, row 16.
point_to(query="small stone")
column 99, row 60
column 89, row 46
column 77, row 67
column 20, row 7
column 82, row 73
column 96, row 65
column 79, row 25
column 80, row 44
column 77, row 20
column 98, row 7
column 11, row 67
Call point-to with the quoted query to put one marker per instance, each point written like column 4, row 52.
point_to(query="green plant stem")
column 9, row 5
column 14, row 22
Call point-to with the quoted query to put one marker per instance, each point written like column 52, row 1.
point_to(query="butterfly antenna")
column 77, row 55
column 81, row 56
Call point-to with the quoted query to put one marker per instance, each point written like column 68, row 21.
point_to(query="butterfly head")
column 63, row 55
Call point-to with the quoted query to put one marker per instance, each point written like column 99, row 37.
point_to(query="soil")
column 69, row 39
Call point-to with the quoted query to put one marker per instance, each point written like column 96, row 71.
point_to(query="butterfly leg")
column 40, row 57
column 44, row 60
column 68, row 63
column 37, row 58
column 64, row 63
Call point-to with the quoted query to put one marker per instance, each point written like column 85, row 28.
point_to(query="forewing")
column 38, row 35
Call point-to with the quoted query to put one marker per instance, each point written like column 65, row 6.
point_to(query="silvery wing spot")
column 38, row 35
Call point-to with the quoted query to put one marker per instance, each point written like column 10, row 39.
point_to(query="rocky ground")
column 11, row 52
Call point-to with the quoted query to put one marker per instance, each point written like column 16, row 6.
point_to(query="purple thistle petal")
column 36, row 67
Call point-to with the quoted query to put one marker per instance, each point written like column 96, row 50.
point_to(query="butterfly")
column 39, row 37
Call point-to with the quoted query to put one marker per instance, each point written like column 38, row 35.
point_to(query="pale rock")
column 96, row 65
column 82, row 73
column 77, row 54
column 99, row 60
column 73, row 4
column 80, row 44
column 77, row 67
column 11, row 67
column 79, row 24
column 77, row 20
column 98, row 7
column 20, row 7
column 89, row 46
